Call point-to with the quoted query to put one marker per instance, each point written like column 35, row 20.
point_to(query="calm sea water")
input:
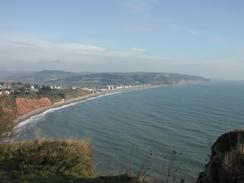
column 126, row 128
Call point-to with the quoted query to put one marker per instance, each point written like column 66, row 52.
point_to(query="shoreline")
column 21, row 119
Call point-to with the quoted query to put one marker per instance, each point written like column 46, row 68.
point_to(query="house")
column 57, row 87
column 6, row 92
column 109, row 87
column 32, row 88
column 88, row 89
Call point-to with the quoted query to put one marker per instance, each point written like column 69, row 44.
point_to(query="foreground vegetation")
column 51, row 161
column 226, row 164
column 46, row 91
column 54, row 161
column 42, row 160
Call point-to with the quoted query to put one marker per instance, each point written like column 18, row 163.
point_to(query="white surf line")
column 20, row 126
column 35, row 118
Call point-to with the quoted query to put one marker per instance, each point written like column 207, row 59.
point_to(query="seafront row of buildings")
column 6, row 88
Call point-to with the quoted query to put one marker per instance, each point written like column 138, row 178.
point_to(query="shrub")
column 45, row 161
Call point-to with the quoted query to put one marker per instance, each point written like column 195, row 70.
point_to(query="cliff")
column 24, row 105
column 51, row 161
column 11, row 108
column 226, row 164
column 7, row 113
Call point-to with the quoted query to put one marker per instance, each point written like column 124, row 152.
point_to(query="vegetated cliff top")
column 108, row 78
column 70, row 161
column 45, row 161
column 226, row 164
column 51, row 161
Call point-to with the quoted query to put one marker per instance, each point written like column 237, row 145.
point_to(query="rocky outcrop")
column 226, row 164
column 24, row 105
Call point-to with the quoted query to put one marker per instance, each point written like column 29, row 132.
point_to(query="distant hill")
column 48, row 77
column 42, row 77
column 4, row 74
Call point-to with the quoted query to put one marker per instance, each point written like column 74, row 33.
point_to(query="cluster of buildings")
column 88, row 89
column 115, row 87
column 61, row 87
column 6, row 88
column 5, row 92
column 110, row 88
column 56, row 87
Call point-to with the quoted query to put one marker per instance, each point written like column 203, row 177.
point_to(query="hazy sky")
column 202, row 37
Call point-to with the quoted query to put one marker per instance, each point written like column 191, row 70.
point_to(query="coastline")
column 35, row 112
column 21, row 119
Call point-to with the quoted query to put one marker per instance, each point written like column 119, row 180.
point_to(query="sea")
column 163, row 130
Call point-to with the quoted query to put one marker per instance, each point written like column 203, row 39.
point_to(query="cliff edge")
column 226, row 164
column 25, row 105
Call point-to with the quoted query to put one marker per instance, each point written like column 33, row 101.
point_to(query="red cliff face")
column 7, row 113
column 24, row 105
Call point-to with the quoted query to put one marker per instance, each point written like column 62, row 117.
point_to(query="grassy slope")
column 226, row 164
column 51, row 161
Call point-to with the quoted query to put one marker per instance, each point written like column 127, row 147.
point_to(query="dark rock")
column 226, row 164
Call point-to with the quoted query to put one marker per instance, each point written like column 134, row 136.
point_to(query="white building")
column 6, row 92
column 32, row 88
column 88, row 89
column 56, row 87
column 109, row 87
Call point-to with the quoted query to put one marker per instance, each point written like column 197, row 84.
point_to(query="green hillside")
column 49, row 77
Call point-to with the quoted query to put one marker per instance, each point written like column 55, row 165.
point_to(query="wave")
column 30, row 122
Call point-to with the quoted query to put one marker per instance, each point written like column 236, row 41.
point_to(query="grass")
column 227, row 163
column 54, row 95
column 233, row 155
column 52, row 161
column 170, row 167
column 49, row 160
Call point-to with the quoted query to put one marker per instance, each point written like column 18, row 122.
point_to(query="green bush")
column 45, row 161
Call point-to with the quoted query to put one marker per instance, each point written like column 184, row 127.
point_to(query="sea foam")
column 30, row 122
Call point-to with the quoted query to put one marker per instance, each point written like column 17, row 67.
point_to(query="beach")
column 181, row 118
column 22, row 120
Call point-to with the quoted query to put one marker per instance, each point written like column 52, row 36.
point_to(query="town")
column 17, row 88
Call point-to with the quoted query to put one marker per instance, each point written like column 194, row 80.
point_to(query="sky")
column 200, row 37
